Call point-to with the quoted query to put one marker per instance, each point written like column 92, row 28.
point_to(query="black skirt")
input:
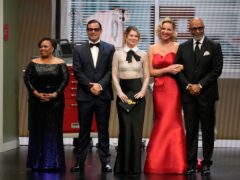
column 128, row 160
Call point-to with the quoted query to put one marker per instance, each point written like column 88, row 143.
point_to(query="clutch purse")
column 132, row 102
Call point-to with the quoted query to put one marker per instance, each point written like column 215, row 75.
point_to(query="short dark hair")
column 52, row 41
column 94, row 21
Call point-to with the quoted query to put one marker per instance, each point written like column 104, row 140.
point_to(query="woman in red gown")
column 166, row 151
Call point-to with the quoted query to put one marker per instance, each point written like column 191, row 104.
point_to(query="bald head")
column 196, row 27
column 196, row 21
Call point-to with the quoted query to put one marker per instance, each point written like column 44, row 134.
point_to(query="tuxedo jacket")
column 86, row 73
column 204, row 69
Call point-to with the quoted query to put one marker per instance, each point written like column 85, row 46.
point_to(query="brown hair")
column 129, row 29
column 94, row 21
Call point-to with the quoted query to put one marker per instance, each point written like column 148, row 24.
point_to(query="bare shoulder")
column 175, row 46
column 58, row 61
column 153, row 47
column 36, row 60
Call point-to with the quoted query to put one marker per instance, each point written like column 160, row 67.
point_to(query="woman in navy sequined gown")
column 46, row 78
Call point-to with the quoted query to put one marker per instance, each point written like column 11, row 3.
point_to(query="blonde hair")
column 167, row 20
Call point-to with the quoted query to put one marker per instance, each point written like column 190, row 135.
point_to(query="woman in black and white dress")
column 130, row 73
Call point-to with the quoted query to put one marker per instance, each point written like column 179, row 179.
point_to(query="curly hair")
column 166, row 20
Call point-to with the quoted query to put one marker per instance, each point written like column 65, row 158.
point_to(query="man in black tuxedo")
column 203, row 61
column 92, row 66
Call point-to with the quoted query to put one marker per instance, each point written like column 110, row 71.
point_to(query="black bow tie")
column 97, row 45
column 131, row 53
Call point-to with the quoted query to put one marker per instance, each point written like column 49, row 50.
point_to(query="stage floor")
column 12, row 167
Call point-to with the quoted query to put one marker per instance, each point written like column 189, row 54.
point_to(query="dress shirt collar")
column 200, row 41
column 126, row 48
column 94, row 42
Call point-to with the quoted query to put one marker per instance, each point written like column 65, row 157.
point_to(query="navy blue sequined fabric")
column 46, row 150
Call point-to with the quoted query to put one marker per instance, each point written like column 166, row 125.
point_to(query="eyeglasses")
column 201, row 28
column 93, row 29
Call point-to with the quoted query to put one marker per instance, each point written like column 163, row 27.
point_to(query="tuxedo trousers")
column 203, row 113
column 101, row 108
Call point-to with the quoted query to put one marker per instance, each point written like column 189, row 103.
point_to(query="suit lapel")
column 88, row 54
column 202, row 50
column 101, row 49
column 192, row 55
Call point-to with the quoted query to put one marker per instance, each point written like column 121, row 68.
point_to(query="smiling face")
column 132, row 38
column 46, row 49
column 166, row 32
column 196, row 28
column 94, row 31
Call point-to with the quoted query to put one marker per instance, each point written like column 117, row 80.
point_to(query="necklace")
column 165, row 47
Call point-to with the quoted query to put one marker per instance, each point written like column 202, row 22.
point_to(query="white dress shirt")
column 94, row 52
column 199, row 45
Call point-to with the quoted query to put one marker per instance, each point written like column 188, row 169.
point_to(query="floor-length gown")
column 128, row 160
column 45, row 149
column 166, row 151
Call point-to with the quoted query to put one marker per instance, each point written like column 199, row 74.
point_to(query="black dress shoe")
column 106, row 168
column 205, row 171
column 191, row 171
column 79, row 167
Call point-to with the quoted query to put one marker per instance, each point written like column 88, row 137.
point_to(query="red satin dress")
column 166, row 150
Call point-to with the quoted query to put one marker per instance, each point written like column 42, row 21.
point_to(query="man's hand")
column 96, row 88
column 194, row 89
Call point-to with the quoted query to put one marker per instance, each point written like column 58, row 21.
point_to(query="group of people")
column 185, row 76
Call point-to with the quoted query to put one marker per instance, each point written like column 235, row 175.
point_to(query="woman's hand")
column 123, row 97
column 174, row 68
column 45, row 97
column 139, row 95
column 52, row 95
column 49, row 96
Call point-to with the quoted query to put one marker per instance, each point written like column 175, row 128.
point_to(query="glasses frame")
column 93, row 29
column 201, row 28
